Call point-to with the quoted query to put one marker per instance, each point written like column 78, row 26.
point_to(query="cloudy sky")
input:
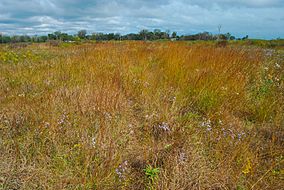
column 257, row 18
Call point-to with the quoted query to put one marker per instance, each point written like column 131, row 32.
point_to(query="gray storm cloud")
column 257, row 18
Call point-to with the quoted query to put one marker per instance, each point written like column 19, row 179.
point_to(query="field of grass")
column 141, row 115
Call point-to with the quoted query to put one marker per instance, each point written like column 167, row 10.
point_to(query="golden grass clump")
column 141, row 115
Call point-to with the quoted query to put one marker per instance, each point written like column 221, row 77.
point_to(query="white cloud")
column 236, row 3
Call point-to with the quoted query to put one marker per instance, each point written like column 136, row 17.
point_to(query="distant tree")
column 6, row 39
column 174, row 35
column 42, row 38
column 89, row 37
column 102, row 36
column 143, row 33
column 24, row 38
column 94, row 36
column 15, row 39
column 167, row 34
column 66, row 37
column 157, row 34
column 245, row 38
column 34, row 38
column 110, row 36
column 151, row 36
column 222, row 37
column 205, row 36
column 132, row 36
column 1, row 38
column 57, row 35
column 232, row 37
column 228, row 36
column 51, row 37
column 157, row 31
column 199, row 36
column 117, row 36
column 76, row 38
column 82, row 34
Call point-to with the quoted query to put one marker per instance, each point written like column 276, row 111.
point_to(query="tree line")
column 156, row 34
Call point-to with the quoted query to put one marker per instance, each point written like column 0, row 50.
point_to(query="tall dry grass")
column 95, row 116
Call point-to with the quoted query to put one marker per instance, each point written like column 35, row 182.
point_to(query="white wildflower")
column 93, row 142
column 164, row 126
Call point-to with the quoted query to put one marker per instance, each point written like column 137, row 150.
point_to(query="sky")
column 256, row 18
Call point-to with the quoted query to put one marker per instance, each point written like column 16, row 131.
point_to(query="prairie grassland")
column 137, row 115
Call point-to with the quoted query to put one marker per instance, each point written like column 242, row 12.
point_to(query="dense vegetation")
column 141, row 115
column 157, row 34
